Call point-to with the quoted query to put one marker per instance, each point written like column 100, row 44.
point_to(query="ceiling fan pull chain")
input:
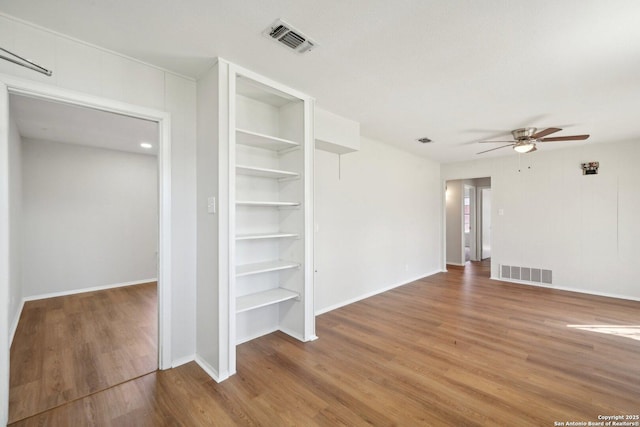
column 519, row 161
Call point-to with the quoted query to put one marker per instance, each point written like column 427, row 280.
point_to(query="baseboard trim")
column 210, row 370
column 260, row 334
column 92, row 289
column 373, row 293
column 14, row 324
column 292, row 334
column 16, row 319
column 182, row 361
column 568, row 289
column 456, row 264
column 298, row 336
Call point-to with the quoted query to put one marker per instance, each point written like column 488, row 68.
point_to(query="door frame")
column 443, row 212
column 480, row 222
column 12, row 85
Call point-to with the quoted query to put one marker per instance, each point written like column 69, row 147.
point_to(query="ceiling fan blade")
column 484, row 142
column 566, row 138
column 547, row 131
column 497, row 148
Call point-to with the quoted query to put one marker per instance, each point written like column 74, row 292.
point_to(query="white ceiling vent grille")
column 290, row 37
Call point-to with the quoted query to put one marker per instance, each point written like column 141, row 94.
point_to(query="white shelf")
column 263, row 93
column 266, row 236
column 260, row 140
column 266, row 204
column 265, row 173
column 263, row 299
column 264, row 267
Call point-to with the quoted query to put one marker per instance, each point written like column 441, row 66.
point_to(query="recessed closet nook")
column 255, row 223
column 255, row 213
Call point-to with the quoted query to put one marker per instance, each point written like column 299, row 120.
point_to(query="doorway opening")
column 13, row 287
column 467, row 221
column 86, row 227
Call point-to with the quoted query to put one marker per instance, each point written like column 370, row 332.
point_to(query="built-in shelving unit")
column 255, row 146
column 271, row 155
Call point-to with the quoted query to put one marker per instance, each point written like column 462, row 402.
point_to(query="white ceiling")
column 58, row 122
column 456, row 71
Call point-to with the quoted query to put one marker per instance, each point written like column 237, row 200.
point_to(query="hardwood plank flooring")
column 72, row 346
column 452, row 349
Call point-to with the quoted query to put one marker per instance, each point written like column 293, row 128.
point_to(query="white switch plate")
column 500, row 212
column 211, row 205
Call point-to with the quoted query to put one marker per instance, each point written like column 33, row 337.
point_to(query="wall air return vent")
column 290, row 37
column 526, row 274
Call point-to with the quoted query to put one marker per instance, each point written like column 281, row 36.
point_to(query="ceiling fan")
column 525, row 139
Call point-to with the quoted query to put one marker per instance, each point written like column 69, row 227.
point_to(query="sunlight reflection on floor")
column 627, row 331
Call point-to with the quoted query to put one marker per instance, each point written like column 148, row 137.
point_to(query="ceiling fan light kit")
column 524, row 147
column 525, row 140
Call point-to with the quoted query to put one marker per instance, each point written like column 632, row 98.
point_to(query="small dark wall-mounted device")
column 590, row 168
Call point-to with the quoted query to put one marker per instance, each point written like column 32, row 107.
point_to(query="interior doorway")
column 464, row 221
column 10, row 258
column 86, row 226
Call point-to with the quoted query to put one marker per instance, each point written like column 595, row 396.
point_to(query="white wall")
column 90, row 217
column 209, row 320
column 88, row 69
column 377, row 216
column 584, row 228
column 454, row 199
column 15, row 226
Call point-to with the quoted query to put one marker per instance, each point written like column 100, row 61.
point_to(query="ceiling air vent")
column 290, row 37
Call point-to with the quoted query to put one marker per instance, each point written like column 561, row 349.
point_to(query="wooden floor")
column 453, row 349
column 69, row 347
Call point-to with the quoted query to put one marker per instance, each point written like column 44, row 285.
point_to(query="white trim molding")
column 83, row 290
column 567, row 289
column 183, row 360
column 16, row 318
column 210, row 370
column 374, row 293
column 14, row 323
column 92, row 46
column 4, row 254
column 14, row 85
